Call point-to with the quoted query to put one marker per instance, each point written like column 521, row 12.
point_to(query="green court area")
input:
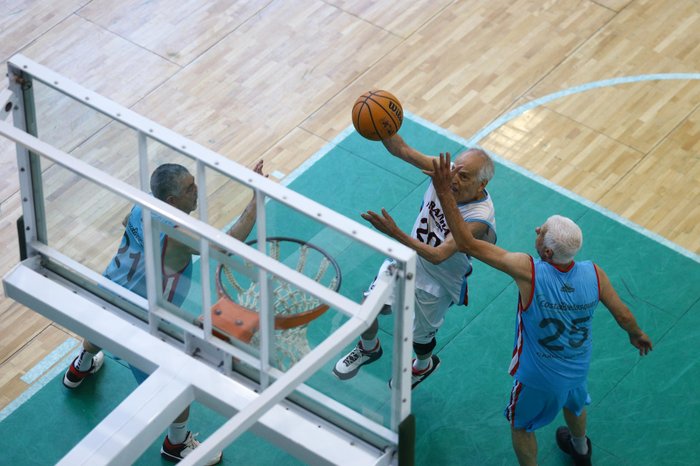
column 644, row 410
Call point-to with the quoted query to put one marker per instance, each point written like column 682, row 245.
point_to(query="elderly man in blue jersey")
column 173, row 184
column 441, row 271
column 553, row 333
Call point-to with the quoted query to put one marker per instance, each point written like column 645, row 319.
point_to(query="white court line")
column 563, row 191
column 277, row 174
column 469, row 143
column 473, row 141
column 577, row 90
column 40, row 383
column 49, row 360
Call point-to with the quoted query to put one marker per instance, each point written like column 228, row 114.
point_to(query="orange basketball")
column 377, row 115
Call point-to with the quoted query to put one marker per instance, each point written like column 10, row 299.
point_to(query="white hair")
column 486, row 169
column 563, row 237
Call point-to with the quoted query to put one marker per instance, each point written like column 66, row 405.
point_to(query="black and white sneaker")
column 566, row 445
column 73, row 377
column 419, row 376
column 348, row 366
column 176, row 452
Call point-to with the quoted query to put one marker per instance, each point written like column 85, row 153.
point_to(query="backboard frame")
column 275, row 386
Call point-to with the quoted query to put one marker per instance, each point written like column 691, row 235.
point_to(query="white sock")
column 580, row 444
column 177, row 432
column 369, row 345
column 419, row 365
column 84, row 361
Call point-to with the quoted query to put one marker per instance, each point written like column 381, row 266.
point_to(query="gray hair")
column 563, row 237
column 487, row 168
column 166, row 180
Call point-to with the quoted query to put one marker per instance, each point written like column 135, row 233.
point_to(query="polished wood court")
column 276, row 80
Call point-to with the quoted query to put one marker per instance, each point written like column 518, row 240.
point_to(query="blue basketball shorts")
column 531, row 408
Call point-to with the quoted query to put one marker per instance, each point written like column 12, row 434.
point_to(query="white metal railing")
column 361, row 315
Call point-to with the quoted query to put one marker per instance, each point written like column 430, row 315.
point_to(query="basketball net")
column 293, row 307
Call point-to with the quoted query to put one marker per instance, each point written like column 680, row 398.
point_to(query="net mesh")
column 287, row 300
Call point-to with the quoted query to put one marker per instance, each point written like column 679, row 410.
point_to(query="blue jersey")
column 553, row 331
column 128, row 269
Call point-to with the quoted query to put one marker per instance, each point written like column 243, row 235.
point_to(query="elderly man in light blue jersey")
column 552, row 351
column 173, row 184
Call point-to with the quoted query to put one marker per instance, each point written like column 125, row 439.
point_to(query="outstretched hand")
column 383, row 223
column 442, row 174
column 642, row 343
column 258, row 168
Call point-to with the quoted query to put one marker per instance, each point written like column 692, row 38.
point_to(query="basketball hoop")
column 235, row 313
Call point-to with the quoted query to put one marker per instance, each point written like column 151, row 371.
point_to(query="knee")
column 422, row 349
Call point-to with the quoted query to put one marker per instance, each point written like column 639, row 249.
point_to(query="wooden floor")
column 277, row 79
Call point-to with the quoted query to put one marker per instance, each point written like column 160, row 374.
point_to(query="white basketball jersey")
column 431, row 228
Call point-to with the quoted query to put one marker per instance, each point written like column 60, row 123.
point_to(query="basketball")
column 377, row 115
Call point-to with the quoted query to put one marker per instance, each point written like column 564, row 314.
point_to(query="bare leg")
column 577, row 424
column 577, row 427
column 525, row 446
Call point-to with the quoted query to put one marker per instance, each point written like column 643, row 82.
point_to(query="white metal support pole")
column 403, row 344
column 123, row 436
column 204, row 251
column 266, row 314
column 23, row 162
column 299, row 372
column 151, row 259
column 144, row 175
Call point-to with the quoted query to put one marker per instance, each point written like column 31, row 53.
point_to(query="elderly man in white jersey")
column 552, row 351
column 441, row 270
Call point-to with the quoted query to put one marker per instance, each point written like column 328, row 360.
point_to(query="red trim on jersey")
column 518, row 349
column 563, row 268
column 170, row 281
column 514, row 395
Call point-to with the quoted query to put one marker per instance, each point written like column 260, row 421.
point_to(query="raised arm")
column 433, row 254
column 624, row 317
column 178, row 254
column 515, row 264
column 244, row 225
column 398, row 148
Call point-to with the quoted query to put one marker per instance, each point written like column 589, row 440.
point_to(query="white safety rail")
column 54, row 285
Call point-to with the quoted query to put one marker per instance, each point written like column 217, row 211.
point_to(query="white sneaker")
column 348, row 365
column 176, row 452
column 73, row 377
column 419, row 376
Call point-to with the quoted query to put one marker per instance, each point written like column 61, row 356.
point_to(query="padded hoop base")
column 237, row 321
column 242, row 323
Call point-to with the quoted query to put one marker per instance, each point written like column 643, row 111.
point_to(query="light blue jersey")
column 128, row 269
column 553, row 331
